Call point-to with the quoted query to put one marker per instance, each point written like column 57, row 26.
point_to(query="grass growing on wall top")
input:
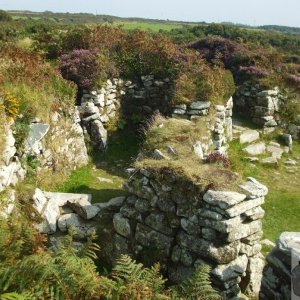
column 181, row 135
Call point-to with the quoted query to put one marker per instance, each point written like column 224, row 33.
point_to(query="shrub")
column 229, row 52
column 4, row 16
column 217, row 157
column 141, row 53
column 293, row 80
column 86, row 68
column 200, row 81
column 81, row 67
column 255, row 71
column 10, row 105
column 290, row 107
column 34, row 83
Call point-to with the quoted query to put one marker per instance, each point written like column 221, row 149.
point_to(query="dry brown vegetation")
column 181, row 135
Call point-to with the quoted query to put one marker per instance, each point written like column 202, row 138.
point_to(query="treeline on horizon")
column 89, row 17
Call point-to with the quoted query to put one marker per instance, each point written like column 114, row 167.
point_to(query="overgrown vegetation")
column 29, row 271
column 175, row 138
column 203, row 62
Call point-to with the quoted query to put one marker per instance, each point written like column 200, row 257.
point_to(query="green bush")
column 4, row 16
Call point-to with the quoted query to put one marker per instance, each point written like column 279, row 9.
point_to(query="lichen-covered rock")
column 232, row 270
column 253, row 189
column 249, row 136
column 82, row 228
column 84, row 208
column 198, row 150
column 256, row 149
column 151, row 238
column 200, row 105
column 98, row 135
column 223, row 199
column 206, row 249
column 122, row 225
column 48, row 210
column 255, row 270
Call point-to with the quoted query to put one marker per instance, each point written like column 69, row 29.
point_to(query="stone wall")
column 11, row 173
column 56, row 146
column 277, row 274
column 173, row 221
column 262, row 107
column 132, row 102
column 219, row 116
column 62, row 144
column 11, row 170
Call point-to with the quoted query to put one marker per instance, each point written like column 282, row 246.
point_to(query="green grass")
column 282, row 203
column 110, row 165
column 148, row 26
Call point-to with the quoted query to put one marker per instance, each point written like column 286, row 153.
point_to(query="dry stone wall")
column 137, row 101
column 62, row 145
column 56, row 146
column 261, row 106
column 11, row 171
column 277, row 275
column 173, row 221
column 218, row 116
column 131, row 101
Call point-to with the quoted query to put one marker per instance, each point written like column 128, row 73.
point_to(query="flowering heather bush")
column 229, row 52
column 217, row 157
column 294, row 80
column 254, row 71
column 82, row 67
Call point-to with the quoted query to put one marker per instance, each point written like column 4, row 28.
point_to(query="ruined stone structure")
column 219, row 118
column 56, row 146
column 99, row 109
column 262, row 107
column 174, row 221
column 11, row 171
column 277, row 275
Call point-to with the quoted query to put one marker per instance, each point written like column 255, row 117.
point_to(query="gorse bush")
column 33, row 82
column 9, row 104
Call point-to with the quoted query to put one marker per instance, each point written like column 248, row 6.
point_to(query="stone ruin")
column 175, row 222
column 261, row 106
column 99, row 108
column 56, row 146
column 220, row 120
column 277, row 277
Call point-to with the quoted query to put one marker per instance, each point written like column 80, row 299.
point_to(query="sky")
column 250, row 12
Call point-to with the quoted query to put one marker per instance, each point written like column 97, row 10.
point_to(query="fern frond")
column 199, row 286
column 127, row 269
column 135, row 282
